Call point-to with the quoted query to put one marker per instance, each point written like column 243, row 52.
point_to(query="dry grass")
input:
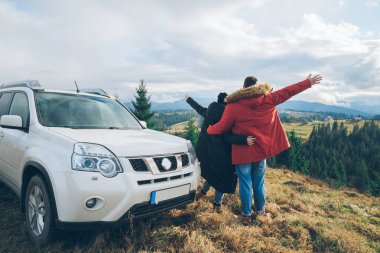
column 307, row 216
column 179, row 127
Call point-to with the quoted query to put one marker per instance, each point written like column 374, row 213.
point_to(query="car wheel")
column 39, row 212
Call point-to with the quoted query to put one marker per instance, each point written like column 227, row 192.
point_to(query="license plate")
column 161, row 195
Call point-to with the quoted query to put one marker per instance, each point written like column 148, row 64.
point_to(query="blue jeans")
column 251, row 175
column 218, row 195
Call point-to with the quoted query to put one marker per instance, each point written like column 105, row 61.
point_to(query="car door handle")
column 1, row 134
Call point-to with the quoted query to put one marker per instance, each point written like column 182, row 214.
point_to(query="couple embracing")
column 239, row 133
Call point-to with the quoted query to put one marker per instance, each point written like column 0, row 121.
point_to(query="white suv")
column 80, row 160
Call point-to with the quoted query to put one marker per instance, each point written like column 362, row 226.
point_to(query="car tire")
column 39, row 212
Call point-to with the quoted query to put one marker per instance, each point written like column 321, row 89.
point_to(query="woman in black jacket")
column 214, row 151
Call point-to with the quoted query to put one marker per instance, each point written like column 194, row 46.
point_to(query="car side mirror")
column 143, row 123
column 11, row 121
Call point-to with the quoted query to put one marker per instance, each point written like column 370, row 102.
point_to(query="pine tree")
column 142, row 105
column 362, row 179
column 356, row 129
column 297, row 159
column 324, row 166
column 342, row 130
column 317, row 169
column 342, row 175
column 192, row 132
column 333, row 171
column 335, row 127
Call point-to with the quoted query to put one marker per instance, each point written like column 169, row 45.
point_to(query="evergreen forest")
column 333, row 154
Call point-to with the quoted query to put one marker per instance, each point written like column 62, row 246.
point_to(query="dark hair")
column 249, row 81
column 221, row 97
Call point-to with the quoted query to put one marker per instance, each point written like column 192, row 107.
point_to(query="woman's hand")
column 314, row 79
column 251, row 140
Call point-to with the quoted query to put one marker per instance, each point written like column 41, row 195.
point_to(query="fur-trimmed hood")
column 250, row 92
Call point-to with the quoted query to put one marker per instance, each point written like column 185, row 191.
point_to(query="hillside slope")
column 308, row 216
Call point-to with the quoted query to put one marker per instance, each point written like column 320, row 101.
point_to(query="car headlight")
column 193, row 156
column 95, row 158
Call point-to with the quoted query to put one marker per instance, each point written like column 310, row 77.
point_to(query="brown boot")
column 245, row 220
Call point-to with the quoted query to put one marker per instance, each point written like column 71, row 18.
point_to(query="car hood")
column 127, row 143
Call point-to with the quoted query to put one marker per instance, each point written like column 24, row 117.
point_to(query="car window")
column 20, row 107
column 78, row 111
column 5, row 101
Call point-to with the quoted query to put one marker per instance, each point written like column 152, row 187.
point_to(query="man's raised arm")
column 224, row 124
column 280, row 96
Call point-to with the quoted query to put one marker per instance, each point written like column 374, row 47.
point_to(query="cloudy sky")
column 194, row 47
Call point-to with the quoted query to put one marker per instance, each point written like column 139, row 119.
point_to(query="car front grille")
column 185, row 160
column 158, row 162
column 139, row 165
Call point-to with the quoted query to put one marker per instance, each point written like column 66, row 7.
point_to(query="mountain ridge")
column 296, row 105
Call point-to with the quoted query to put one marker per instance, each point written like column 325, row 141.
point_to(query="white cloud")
column 186, row 47
column 372, row 3
column 342, row 3
column 321, row 39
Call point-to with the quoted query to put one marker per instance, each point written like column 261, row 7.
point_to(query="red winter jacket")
column 252, row 111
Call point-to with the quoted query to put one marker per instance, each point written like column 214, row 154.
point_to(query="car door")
column 5, row 102
column 14, row 142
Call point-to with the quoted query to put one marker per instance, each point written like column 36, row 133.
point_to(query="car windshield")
column 83, row 112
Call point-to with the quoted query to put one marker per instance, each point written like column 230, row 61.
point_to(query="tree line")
column 290, row 116
column 331, row 153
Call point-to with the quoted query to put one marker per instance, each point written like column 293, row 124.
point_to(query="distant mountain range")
column 295, row 105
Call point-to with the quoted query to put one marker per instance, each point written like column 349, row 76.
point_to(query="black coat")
column 214, row 151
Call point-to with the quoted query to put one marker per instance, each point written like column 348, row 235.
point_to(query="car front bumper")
column 136, row 212
column 126, row 196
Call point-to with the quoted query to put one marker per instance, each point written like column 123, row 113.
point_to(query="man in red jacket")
column 250, row 112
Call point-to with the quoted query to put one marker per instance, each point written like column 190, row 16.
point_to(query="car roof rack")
column 96, row 91
column 32, row 84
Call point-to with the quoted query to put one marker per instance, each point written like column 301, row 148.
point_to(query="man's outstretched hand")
column 314, row 79
column 186, row 97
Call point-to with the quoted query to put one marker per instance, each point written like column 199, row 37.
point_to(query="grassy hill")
column 307, row 216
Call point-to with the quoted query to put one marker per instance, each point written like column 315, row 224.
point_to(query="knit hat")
column 249, row 81
column 221, row 97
